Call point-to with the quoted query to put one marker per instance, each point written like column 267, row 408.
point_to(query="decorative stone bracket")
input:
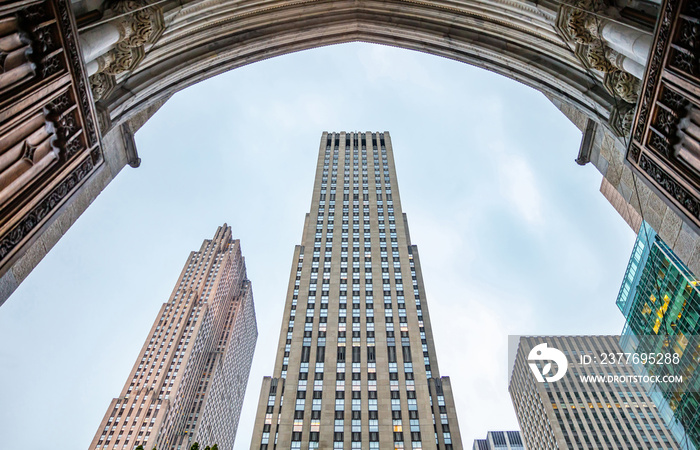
column 120, row 42
column 617, row 52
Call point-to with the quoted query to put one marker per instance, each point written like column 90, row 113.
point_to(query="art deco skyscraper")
column 356, row 365
column 189, row 379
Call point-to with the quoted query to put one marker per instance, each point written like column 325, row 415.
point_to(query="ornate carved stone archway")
column 584, row 56
column 512, row 38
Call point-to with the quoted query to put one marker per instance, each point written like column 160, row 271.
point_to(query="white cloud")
column 519, row 187
column 472, row 350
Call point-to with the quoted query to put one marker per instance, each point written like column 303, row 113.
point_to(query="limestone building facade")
column 356, row 365
column 188, row 382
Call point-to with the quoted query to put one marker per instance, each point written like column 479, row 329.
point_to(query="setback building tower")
column 188, row 382
column 356, row 365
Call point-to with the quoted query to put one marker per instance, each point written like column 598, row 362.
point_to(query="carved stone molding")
column 137, row 27
column 622, row 84
column 665, row 144
column 621, row 118
column 103, row 118
column 619, row 83
column 48, row 133
column 120, row 59
column 102, row 85
column 615, row 58
column 79, row 77
column 577, row 25
column 670, row 185
column 581, row 26
column 598, row 56
column 10, row 240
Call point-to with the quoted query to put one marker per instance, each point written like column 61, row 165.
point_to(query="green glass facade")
column 660, row 299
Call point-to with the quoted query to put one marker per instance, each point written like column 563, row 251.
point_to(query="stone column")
column 98, row 40
column 115, row 47
column 627, row 64
column 632, row 43
column 92, row 67
column 633, row 67
column 626, row 48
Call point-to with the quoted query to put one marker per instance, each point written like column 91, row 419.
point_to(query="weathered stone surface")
column 595, row 151
column 687, row 246
column 625, row 190
column 628, row 213
column 693, row 261
column 114, row 150
column 603, row 165
column 142, row 117
column 643, row 192
column 694, row 266
column 653, row 219
column 31, row 257
column 670, row 227
column 654, row 204
column 576, row 117
column 620, row 148
column 634, row 202
column 8, row 284
column 614, row 173
column 627, row 179
column 59, row 226
column 51, row 236
column 607, row 149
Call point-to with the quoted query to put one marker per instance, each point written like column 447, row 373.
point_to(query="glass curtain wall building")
column 661, row 303
column 356, row 365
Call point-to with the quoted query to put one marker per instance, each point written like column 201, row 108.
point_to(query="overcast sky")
column 514, row 236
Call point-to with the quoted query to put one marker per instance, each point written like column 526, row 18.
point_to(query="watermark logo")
column 543, row 353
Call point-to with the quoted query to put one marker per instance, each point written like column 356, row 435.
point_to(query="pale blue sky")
column 514, row 237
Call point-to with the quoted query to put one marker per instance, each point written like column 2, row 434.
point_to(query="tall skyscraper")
column 356, row 365
column 500, row 440
column 573, row 413
column 660, row 299
column 189, row 379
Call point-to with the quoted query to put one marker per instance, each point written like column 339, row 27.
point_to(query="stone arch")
column 512, row 38
column 137, row 53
